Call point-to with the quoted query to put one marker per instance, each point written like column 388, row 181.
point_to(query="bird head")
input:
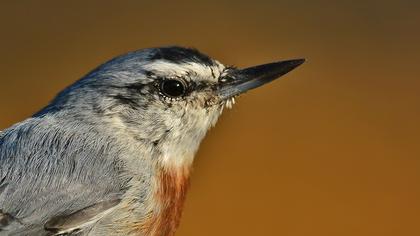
column 166, row 98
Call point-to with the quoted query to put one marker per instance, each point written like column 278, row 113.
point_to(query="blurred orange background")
column 330, row 149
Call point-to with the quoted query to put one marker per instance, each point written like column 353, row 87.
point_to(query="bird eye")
column 172, row 88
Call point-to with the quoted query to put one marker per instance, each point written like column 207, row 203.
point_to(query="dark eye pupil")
column 172, row 88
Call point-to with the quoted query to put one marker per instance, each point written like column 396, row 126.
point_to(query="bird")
column 112, row 153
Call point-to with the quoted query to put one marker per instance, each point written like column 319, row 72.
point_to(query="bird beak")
column 240, row 81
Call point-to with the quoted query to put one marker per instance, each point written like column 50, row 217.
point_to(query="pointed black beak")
column 240, row 81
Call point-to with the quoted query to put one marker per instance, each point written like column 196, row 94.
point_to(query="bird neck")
column 170, row 194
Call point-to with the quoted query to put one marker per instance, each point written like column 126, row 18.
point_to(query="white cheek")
column 182, row 144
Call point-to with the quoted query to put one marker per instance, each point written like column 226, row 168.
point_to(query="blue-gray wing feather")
column 50, row 169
